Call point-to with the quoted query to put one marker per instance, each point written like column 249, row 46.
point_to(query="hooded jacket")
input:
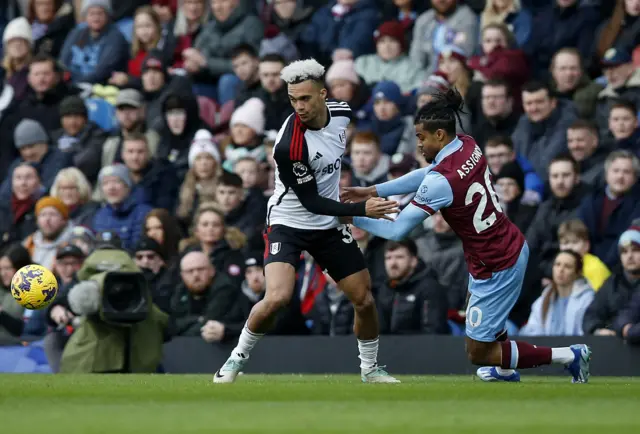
column 53, row 40
column 126, row 219
column 612, row 297
column 44, row 252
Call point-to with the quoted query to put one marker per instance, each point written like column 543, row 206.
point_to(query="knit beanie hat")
column 455, row 52
column 53, row 202
column 18, row 28
column 343, row 70
column 394, row 30
column 29, row 132
column 73, row 105
column 119, row 170
column 390, row 91
column 154, row 60
column 438, row 82
column 146, row 243
column 630, row 236
column 203, row 143
column 104, row 4
column 513, row 171
column 251, row 114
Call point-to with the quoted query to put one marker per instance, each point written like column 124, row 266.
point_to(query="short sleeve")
column 433, row 194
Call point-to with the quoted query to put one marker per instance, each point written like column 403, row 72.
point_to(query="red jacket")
column 509, row 65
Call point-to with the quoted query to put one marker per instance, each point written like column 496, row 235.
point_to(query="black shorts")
column 335, row 250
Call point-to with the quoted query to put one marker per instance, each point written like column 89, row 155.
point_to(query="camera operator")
column 149, row 257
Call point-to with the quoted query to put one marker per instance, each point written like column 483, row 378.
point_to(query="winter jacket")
column 225, row 259
column 82, row 214
column 294, row 26
column 417, row 305
column 125, row 219
column 402, row 70
column 510, row 65
column 53, row 40
column 52, row 162
column 45, row 108
column 608, row 96
column 431, row 36
column 326, row 33
column 19, row 82
column 332, row 313
column 396, row 135
column 217, row 39
column 540, row 142
column 11, row 324
column 15, row 231
column 520, row 214
column 155, row 100
column 249, row 217
column 159, row 185
column 126, row 8
column 9, row 119
column 584, row 96
column 629, row 315
column 532, row 181
column 277, row 108
column 614, row 295
column 521, row 25
column 377, row 175
column 92, row 60
column 605, row 245
column 592, row 168
column 579, row 300
column 85, row 149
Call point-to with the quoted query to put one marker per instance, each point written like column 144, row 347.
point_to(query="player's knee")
column 276, row 300
column 363, row 301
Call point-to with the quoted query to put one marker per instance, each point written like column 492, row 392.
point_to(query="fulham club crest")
column 274, row 248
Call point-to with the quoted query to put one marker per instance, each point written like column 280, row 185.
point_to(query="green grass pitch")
column 159, row 404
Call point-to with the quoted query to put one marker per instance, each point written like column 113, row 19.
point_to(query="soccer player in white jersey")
column 303, row 216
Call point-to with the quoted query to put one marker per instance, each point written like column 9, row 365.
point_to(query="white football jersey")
column 303, row 155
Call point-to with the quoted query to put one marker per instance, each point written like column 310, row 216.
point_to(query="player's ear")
column 323, row 92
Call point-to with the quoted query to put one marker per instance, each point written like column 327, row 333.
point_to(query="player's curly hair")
column 442, row 112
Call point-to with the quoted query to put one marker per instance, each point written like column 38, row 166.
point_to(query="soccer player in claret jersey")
column 458, row 184
column 302, row 216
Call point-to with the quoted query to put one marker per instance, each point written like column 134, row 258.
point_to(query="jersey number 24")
column 479, row 223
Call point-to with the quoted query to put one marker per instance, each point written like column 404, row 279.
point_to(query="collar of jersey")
column 449, row 149
column 318, row 129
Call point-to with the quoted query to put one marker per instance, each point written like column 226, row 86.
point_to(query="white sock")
column 247, row 341
column 368, row 353
column 504, row 372
column 562, row 355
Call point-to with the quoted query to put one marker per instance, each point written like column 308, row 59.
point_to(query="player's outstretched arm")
column 397, row 229
column 404, row 185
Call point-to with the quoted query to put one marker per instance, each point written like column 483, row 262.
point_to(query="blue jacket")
column 605, row 245
column 579, row 300
column 354, row 31
column 159, row 185
column 630, row 315
column 52, row 162
column 126, row 220
column 93, row 60
column 531, row 180
column 520, row 23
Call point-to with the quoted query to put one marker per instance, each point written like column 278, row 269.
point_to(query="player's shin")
column 366, row 329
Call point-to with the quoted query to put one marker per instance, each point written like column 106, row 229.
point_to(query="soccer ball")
column 34, row 287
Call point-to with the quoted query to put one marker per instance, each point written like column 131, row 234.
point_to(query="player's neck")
column 319, row 122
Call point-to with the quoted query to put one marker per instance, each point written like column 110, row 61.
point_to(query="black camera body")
column 125, row 298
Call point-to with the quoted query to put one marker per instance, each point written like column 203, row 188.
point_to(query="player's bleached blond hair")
column 302, row 70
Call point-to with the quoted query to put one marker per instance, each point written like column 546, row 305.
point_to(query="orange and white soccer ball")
column 34, row 286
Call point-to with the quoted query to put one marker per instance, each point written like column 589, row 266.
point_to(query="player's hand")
column 358, row 194
column 604, row 332
column 378, row 208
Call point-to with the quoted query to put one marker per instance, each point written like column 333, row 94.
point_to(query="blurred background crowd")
column 147, row 126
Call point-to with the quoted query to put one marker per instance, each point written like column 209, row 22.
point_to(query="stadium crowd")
column 148, row 126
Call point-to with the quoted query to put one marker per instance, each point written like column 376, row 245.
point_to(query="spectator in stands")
column 395, row 130
column 245, row 61
column 290, row 17
column 344, row 84
column 584, row 147
column 410, row 300
column 607, row 211
column 623, row 82
column 561, row 24
column 199, row 185
column 166, row 9
column 9, row 118
column 34, row 147
column 92, row 52
column 573, row 235
column 560, row 309
column 437, row 83
column 149, row 257
column 370, row 165
column 441, row 249
column 373, row 250
column 247, row 134
column 244, row 209
column 130, row 112
column 623, row 126
column 508, row 13
column 180, row 122
column 452, row 61
column 210, row 60
column 569, row 80
column 248, row 169
column 79, row 137
column 191, row 17
column 497, row 116
column 273, row 92
column 627, row 323
column 123, row 9
column 340, row 30
column 83, row 238
column 511, row 188
column 18, row 45
column 13, row 258
column 121, row 212
column 448, row 22
column 51, row 21
column 405, row 11
column 147, row 36
column 567, row 192
column 54, row 228
column 222, row 244
column 541, row 132
column 390, row 62
column 45, row 92
column 162, row 227
column 620, row 30
column 498, row 152
column 332, row 313
column 618, row 290
column 68, row 261
column 73, row 189
column 18, row 212
column 205, row 299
